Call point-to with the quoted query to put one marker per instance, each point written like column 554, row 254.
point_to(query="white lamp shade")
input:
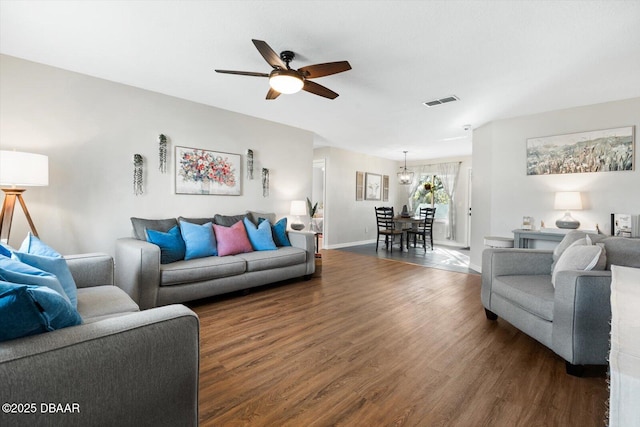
column 20, row 169
column 285, row 81
column 298, row 207
column 568, row 200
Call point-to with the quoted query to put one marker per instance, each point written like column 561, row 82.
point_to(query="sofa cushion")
column 265, row 260
column 256, row 216
column 569, row 239
column 232, row 240
column 534, row 293
column 140, row 224
column 622, row 251
column 580, row 256
column 100, row 302
column 5, row 250
column 172, row 247
column 15, row 271
column 28, row 310
column 199, row 240
column 199, row 221
column 260, row 236
column 279, row 232
column 197, row 270
column 227, row 220
column 39, row 255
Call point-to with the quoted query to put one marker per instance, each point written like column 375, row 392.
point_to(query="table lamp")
column 17, row 170
column 568, row 200
column 298, row 207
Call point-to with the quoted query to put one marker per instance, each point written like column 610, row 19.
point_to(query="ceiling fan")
column 284, row 79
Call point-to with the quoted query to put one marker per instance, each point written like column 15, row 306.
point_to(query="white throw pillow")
column 581, row 255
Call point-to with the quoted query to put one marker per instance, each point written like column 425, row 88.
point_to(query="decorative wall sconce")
column 265, row 182
column 250, row 164
column 162, row 147
column 137, row 174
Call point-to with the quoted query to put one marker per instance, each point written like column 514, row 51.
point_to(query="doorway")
column 318, row 195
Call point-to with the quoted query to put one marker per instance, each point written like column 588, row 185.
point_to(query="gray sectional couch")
column 151, row 284
column 120, row 367
column 572, row 318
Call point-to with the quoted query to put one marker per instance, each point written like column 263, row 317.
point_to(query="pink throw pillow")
column 232, row 240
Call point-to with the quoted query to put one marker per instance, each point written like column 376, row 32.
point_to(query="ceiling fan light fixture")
column 286, row 81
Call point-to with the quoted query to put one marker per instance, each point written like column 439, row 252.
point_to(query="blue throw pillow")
column 260, row 237
column 39, row 255
column 5, row 250
column 14, row 271
column 172, row 247
column 279, row 231
column 199, row 240
column 29, row 310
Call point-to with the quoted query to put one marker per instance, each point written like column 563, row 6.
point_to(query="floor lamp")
column 19, row 170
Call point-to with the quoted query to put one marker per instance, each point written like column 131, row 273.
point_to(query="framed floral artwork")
column 201, row 171
column 373, row 186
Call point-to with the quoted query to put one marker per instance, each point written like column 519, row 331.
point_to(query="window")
column 430, row 194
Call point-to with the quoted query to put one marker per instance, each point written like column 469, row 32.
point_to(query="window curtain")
column 448, row 174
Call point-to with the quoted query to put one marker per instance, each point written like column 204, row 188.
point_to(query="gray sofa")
column 151, row 284
column 572, row 318
column 120, row 367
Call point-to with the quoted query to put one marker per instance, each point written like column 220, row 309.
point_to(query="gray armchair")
column 572, row 318
column 120, row 367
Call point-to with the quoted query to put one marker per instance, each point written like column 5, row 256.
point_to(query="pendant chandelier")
column 405, row 176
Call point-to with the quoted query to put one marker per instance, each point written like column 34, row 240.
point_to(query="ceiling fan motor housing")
column 287, row 56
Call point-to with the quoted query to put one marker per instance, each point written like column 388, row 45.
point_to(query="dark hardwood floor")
column 375, row 342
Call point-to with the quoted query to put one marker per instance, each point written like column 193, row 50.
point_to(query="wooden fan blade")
column 268, row 54
column 243, row 73
column 317, row 89
column 321, row 70
column 272, row 94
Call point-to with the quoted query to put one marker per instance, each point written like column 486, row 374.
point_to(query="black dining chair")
column 424, row 229
column 386, row 228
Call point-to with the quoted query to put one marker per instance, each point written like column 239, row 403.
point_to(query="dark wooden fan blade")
column 243, row 73
column 269, row 55
column 321, row 70
column 317, row 89
column 272, row 94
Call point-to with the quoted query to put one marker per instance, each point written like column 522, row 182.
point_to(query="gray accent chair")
column 572, row 319
column 121, row 367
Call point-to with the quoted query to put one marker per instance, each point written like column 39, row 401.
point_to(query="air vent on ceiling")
column 441, row 101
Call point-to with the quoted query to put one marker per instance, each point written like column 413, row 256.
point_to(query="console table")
column 523, row 238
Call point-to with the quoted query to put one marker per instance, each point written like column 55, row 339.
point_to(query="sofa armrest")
column 512, row 262
column 93, row 269
column 136, row 369
column 582, row 316
column 138, row 270
column 305, row 240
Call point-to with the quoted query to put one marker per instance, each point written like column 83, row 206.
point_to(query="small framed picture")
column 621, row 225
column 527, row 223
column 373, row 186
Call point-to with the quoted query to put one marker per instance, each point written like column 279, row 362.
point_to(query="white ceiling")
column 501, row 58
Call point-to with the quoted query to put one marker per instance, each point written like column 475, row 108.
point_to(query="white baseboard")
column 345, row 245
column 475, row 268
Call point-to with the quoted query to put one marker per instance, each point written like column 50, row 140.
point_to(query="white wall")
column 503, row 193
column 90, row 129
column 347, row 221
